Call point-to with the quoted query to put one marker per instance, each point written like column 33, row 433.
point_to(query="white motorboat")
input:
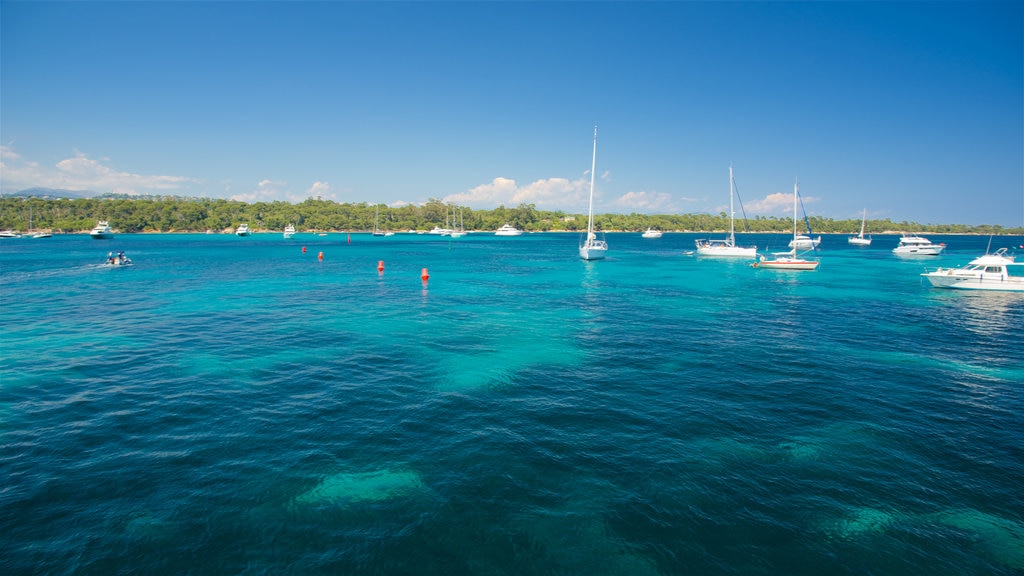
column 996, row 271
column 508, row 230
column 917, row 246
column 9, row 234
column 592, row 248
column 102, row 231
column 651, row 233
column 289, row 231
column 726, row 247
column 788, row 260
column 440, row 231
column 860, row 240
column 243, row 230
column 804, row 242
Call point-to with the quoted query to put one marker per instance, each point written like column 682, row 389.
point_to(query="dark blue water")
column 236, row 406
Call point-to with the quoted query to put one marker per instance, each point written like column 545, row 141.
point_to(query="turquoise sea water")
column 236, row 406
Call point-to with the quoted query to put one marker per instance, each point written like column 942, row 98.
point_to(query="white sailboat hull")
column 593, row 250
column 722, row 250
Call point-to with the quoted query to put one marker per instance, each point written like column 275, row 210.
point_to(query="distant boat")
column 458, row 228
column 788, row 260
column 804, row 241
column 102, row 231
column 243, row 230
column 727, row 247
column 592, row 248
column 989, row 272
column 289, row 231
column 508, row 230
column 376, row 220
column 9, row 234
column 651, row 233
column 917, row 246
column 860, row 240
column 39, row 234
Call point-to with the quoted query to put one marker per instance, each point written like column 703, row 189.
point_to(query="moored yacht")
column 102, row 231
column 996, row 271
column 651, row 233
column 917, row 246
column 508, row 230
column 289, row 231
column 243, row 230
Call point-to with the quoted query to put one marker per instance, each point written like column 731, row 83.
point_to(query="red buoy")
column 320, row 256
column 349, row 238
column 303, row 249
column 424, row 276
column 380, row 266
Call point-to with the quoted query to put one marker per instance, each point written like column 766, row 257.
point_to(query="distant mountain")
column 50, row 193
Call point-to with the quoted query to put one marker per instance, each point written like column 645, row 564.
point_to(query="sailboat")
column 458, row 228
column 788, row 260
column 727, row 247
column 860, row 240
column 592, row 248
column 40, row 233
column 376, row 220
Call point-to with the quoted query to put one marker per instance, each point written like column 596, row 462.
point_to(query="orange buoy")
column 424, row 276
column 380, row 266
column 303, row 249
column 320, row 256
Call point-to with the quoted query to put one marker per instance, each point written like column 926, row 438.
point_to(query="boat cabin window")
column 994, row 270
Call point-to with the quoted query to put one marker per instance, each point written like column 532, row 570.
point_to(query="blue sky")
column 911, row 110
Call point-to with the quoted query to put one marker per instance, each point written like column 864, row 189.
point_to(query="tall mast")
column 593, row 166
column 795, row 192
column 732, row 211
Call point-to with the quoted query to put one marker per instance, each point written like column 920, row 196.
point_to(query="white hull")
column 721, row 250
column 785, row 264
column 918, row 250
column 593, row 250
column 508, row 230
column 943, row 280
column 652, row 233
column 289, row 231
column 917, row 246
column 102, row 231
column 989, row 272
column 857, row 241
column 804, row 243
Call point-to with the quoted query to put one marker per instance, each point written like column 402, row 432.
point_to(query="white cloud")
column 82, row 173
column 546, row 194
column 645, row 202
column 777, row 204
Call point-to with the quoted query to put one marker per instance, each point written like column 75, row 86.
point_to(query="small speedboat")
column 102, row 231
column 996, row 271
column 118, row 259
